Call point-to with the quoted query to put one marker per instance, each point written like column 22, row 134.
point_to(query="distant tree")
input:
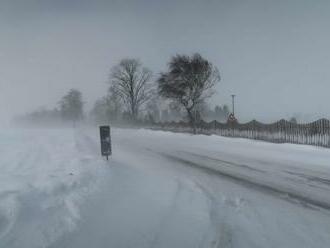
column 100, row 110
column 226, row 111
column 218, row 111
column 40, row 117
column 293, row 120
column 189, row 81
column 164, row 115
column 106, row 109
column 127, row 116
column 71, row 106
column 149, row 118
column 153, row 110
column 205, row 112
column 130, row 81
column 175, row 112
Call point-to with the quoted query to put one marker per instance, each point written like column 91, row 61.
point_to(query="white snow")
column 45, row 175
column 160, row 189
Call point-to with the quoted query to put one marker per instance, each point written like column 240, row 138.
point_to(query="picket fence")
column 316, row 133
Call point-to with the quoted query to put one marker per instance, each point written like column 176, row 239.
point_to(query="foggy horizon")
column 272, row 55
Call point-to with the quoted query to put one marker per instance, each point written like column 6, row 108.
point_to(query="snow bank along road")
column 160, row 189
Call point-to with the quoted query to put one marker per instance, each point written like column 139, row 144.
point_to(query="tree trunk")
column 135, row 113
column 192, row 120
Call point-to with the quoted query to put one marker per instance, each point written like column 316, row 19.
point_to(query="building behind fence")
column 315, row 133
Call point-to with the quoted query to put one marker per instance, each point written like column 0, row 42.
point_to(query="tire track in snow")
column 294, row 197
column 221, row 231
column 164, row 223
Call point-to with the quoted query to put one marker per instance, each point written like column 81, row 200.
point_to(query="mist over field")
column 273, row 55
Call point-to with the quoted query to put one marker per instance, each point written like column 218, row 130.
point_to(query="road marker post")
column 105, row 136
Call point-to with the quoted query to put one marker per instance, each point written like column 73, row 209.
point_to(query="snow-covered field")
column 160, row 189
column 45, row 175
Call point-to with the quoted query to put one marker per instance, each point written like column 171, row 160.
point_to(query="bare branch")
column 131, row 82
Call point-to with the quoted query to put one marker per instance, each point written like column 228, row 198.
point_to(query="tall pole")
column 233, row 103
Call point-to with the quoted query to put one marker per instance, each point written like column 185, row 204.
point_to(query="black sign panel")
column 105, row 141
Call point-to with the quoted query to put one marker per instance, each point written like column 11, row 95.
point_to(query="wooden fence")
column 316, row 133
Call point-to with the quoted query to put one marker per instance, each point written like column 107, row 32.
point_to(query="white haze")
column 272, row 54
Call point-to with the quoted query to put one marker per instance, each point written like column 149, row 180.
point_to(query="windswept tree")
column 130, row 81
column 189, row 81
column 106, row 109
column 71, row 106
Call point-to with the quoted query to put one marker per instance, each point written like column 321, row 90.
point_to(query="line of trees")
column 70, row 110
column 181, row 92
column 135, row 94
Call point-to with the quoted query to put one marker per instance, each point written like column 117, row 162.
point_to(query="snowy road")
column 160, row 189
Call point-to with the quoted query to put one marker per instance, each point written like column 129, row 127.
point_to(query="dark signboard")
column 105, row 141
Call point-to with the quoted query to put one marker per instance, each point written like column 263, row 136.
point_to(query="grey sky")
column 273, row 54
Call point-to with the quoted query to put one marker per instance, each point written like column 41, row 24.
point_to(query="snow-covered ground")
column 45, row 175
column 160, row 189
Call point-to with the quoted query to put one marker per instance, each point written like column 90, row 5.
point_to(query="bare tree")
column 189, row 81
column 71, row 106
column 130, row 81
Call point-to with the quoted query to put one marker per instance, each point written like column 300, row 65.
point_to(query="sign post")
column 105, row 141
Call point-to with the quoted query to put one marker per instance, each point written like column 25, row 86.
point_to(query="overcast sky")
column 274, row 55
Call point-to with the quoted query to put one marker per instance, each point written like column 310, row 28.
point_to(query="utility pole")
column 233, row 103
